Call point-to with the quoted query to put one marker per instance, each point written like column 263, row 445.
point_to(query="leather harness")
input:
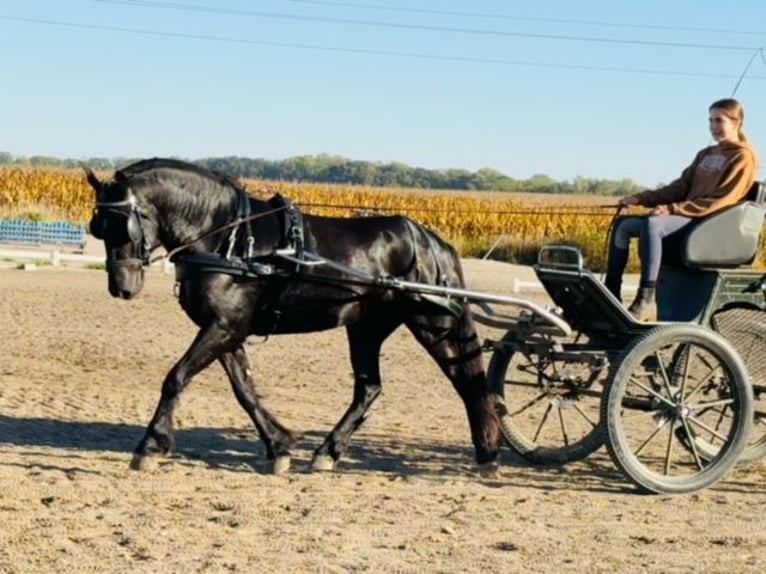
column 248, row 264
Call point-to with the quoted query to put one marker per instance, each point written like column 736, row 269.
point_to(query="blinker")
column 126, row 208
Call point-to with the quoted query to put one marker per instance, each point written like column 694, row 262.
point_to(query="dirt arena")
column 79, row 379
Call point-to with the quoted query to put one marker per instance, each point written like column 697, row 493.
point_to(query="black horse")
column 247, row 266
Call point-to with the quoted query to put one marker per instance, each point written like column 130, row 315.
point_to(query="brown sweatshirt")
column 720, row 175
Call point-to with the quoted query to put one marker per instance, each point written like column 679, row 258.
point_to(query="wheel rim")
column 676, row 389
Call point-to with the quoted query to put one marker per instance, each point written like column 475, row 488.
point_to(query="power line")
column 744, row 72
column 495, row 16
column 365, row 52
column 403, row 26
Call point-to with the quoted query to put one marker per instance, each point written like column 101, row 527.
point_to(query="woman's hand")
column 660, row 210
column 628, row 200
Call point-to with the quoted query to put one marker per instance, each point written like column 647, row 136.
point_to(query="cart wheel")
column 708, row 443
column 673, row 381
column 552, row 406
column 756, row 447
column 743, row 326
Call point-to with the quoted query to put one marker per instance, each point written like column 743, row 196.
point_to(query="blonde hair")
column 733, row 110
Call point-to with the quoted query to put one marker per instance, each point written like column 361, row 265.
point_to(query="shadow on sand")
column 239, row 450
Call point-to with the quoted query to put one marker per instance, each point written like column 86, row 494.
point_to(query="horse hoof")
column 488, row 469
column 143, row 462
column 323, row 463
column 280, row 465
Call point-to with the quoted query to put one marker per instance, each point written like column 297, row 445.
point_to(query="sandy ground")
column 79, row 379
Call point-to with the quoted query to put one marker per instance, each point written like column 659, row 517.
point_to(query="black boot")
column 644, row 306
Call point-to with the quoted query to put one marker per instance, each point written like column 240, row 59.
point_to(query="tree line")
column 339, row 170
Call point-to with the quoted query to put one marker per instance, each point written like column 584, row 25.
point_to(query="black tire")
column 649, row 395
column 554, row 421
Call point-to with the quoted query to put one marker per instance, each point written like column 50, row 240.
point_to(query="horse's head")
column 121, row 224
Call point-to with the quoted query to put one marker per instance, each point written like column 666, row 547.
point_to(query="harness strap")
column 243, row 214
column 255, row 266
column 292, row 226
column 198, row 263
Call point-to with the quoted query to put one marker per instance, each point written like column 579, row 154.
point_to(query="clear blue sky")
column 603, row 89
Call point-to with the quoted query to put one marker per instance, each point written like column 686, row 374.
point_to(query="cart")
column 677, row 402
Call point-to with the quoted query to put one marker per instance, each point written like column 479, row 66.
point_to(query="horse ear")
column 120, row 178
column 93, row 180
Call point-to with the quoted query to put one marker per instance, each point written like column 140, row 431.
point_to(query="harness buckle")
column 232, row 242
column 261, row 268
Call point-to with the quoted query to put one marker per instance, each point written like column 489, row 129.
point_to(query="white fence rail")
column 57, row 257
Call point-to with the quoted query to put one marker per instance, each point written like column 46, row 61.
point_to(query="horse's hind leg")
column 209, row 344
column 365, row 339
column 277, row 438
column 454, row 344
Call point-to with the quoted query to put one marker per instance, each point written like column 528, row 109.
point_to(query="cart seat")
column 699, row 264
column 728, row 238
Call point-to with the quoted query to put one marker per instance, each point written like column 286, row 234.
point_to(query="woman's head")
column 726, row 119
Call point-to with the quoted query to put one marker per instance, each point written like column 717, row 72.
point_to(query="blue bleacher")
column 42, row 232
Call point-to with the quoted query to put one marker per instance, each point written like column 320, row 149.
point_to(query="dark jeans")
column 650, row 231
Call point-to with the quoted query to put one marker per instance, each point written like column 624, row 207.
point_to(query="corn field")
column 512, row 225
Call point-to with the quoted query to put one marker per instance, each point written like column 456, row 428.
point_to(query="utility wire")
column 361, row 51
column 744, row 72
column 495, row 16
column 448, row 29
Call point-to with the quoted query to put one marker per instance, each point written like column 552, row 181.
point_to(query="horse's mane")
column 139, row 167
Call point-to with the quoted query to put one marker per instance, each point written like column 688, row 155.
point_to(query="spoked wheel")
column 708, row 443
column 743, row 326
column 552, row 399
column 756, row 446
column 675, row 381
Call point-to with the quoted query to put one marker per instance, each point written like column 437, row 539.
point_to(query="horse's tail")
column 435, row 261
column 453, row 340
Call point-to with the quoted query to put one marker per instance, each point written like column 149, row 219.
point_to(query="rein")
column 239, row 221
column 578, row 210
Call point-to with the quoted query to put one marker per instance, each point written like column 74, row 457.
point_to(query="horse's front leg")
column 365, row 340
column 276, row 437
column 209, row 344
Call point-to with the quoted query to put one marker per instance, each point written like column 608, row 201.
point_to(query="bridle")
column 128, row 209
